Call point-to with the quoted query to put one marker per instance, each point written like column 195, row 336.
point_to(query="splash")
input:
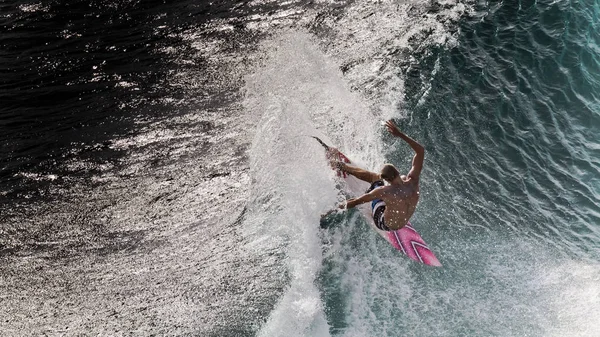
column 298, row 93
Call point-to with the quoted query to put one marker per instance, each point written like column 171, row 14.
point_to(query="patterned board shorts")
column 378, row 207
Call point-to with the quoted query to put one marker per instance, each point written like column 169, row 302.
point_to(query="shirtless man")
column 392, row 204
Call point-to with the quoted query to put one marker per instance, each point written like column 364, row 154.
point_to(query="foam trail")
column 291, row 188
column 297, row 93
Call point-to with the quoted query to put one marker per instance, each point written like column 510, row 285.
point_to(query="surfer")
column 394, row 203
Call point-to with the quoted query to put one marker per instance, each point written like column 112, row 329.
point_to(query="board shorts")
column 378, row 208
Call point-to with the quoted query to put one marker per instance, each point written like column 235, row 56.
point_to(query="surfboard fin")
column 321, row 142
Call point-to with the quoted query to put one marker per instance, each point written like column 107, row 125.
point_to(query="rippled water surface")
column 156, row 176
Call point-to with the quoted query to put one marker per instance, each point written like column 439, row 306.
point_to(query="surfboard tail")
column 408, row 241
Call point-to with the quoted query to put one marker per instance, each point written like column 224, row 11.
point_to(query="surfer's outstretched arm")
column 351, row 203
column 417, row 163
column 359, row 173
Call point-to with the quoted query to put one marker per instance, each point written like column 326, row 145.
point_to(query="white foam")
column 573, row 295
column 291, row 187
column 298, row 93
column 299, row 73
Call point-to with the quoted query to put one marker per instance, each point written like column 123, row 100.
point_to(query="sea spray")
column 291, row 188
column 299, row 93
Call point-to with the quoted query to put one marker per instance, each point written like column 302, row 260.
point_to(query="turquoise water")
column 510, row 119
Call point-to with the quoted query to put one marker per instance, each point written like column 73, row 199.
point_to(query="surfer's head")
column 389, row 173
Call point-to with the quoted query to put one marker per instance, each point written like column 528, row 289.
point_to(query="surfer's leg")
column 359, row 173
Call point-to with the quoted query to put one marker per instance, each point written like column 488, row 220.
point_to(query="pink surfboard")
column 407, row 239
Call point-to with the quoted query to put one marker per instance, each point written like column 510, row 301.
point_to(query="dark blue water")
column 154, row 177
column 70, row 74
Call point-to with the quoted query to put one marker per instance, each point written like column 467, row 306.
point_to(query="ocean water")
column 157, row 176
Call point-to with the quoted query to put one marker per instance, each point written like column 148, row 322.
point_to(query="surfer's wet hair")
column 389, row 172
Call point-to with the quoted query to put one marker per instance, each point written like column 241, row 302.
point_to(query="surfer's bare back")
column 395, row 202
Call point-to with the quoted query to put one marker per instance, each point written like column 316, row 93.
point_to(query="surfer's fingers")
column 336, row 210
column 392, row 128
column 337, row 164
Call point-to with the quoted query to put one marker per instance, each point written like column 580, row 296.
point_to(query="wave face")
column 507, row 109
column 510, row 120
column 158, row 175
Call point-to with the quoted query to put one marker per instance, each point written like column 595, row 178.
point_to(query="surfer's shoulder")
column 387, row 189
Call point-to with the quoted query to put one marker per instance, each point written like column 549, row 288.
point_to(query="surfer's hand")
column 332, row 153
column 340, row 165
column 392, row 128
column 350, row 203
